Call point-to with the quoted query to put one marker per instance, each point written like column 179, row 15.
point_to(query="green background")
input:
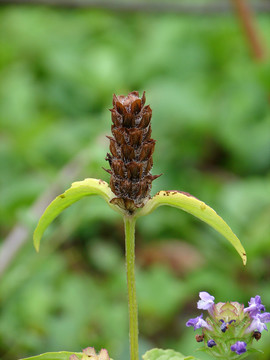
column 211, row 119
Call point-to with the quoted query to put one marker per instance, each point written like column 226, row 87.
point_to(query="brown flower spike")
column 131, row 150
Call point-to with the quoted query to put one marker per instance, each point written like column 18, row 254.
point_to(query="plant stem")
column 131, row 285
column 247, row 20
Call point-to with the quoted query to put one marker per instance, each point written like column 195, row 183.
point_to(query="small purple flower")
column 198, row 322
column 225, row 325
column 239, row 347
column 258, row 322
column 255, row 306
column 206, row 302
column 211, row 343
column 265, row 317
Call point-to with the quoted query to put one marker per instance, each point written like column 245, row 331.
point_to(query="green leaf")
column 190, row 204
column 160, row 354
column 77, row 191
column 61, row 355
column 253, row 350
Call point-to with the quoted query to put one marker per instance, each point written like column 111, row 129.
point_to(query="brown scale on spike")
column 131, row 150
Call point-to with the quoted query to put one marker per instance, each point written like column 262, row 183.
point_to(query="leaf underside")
column 61, row 355
column 77, row 191
column 192, row 205
column 160, row 354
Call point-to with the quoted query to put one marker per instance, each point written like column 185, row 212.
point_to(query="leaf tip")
column 36, row 247
column 36, row 242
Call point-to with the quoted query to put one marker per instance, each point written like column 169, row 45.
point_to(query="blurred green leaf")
column 160, row 354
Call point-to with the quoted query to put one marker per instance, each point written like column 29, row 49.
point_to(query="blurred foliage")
column 211, row 118
column 156, row 354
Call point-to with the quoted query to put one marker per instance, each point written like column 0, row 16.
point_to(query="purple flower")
column 265, row 317
column 225, row 325
column 255, row 306
column 258, row 322
column 197, row 323
column 211, row 343
column 206, row 302
column 239, row 347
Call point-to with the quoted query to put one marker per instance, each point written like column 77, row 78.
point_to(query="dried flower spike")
column 131, row 150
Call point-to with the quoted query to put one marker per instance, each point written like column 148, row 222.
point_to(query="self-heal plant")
column 229, row 330
column 130, row 160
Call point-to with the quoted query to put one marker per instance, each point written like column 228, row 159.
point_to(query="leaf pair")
column 180, row 200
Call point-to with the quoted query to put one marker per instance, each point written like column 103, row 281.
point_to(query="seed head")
column 131, row 150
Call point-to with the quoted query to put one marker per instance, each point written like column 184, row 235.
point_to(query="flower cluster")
column 230, row 328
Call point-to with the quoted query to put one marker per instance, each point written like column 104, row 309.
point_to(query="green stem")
column 131, row 285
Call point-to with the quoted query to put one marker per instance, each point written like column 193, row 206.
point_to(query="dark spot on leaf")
column 174, row 192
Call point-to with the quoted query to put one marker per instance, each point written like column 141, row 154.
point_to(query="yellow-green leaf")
column 61, row 355
column 77, row 191
column 197, row 208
